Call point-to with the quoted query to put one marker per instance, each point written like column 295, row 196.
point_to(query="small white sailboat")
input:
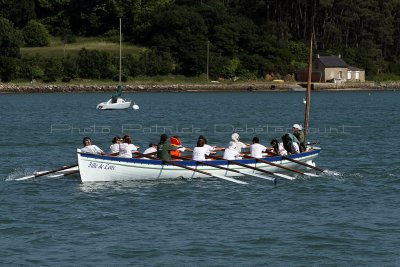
column 116, row 101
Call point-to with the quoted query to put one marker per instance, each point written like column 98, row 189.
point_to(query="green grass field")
column 58, row 49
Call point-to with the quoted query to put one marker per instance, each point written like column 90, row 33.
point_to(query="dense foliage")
column 245, row 38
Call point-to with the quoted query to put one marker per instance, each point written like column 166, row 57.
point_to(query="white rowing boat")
column 99, row 168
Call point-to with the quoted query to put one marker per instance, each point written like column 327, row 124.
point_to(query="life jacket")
column 175, row 142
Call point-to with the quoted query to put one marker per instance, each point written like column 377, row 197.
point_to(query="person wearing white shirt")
column 231, row 153
column 295, row 148
column 151, row 149
column 90, row 148
column 127, row 148
column 200, row 151
column 114, row 148
column 212, row 149
column 256, row 149
column 239, row 145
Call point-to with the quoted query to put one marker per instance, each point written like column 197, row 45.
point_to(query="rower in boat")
column 164, row 148
column 126, row 148
column 90, row 148
column 212, row 149
column 176, row 141
column 298, row 132
column 114, row 147
column 200, row 151
column 151, row 149
column 278, row 148
column 239, row 145
column 231, row 153
column 256, row 149
column 291, row 143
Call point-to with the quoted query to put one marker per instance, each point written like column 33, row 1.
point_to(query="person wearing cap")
column 231, row 152
column 239, row 145
column 256, row 149
column 90, row 148
column 298, row 132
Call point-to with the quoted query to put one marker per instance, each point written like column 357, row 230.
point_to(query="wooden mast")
column 307, row 111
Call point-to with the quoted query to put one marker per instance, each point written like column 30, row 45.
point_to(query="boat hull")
column 120, row 104
column 97, row 168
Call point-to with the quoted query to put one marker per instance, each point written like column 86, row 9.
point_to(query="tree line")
column 239, row 38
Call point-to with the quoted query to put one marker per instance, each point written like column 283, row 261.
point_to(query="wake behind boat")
column 99, row 168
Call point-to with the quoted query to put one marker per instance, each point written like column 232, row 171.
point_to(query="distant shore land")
column 196, row 87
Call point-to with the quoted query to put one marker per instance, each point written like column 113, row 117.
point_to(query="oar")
column 260, row 170
column 232, row 170
column 46, row 173
column 303, row 163
column 64, row 174
column 282, row 166
column 203, row 172
column 194, row 170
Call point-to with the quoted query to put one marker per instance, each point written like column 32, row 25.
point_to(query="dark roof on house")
column 332, row 62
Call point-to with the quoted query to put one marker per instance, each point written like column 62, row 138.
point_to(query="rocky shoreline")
column 212, row 87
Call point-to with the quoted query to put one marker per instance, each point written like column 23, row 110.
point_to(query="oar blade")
column 311, row 174
column 285, row 176
column 259, row 176
column 25, row 178
column 228, row 179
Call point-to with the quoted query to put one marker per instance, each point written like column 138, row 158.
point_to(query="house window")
column 349, row 75
column 357, row 75
column 340, row 74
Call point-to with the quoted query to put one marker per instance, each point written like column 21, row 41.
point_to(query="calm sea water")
column 351, row 219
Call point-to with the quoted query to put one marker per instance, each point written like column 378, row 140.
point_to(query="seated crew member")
column 290, row 143
column 212, row 149
column 231, row 152
column 164, row 148
column 90, row 148
column 126, row 148
column 176, row 141
column 200, row 151
column 114, row 148
column 256, row 149
column 239, row 145
column 278, row 148
column 298, row 132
